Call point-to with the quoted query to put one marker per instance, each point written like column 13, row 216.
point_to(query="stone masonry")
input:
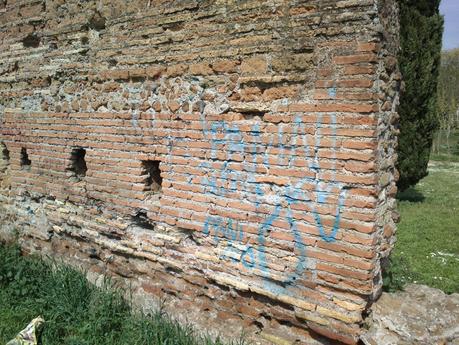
column 232, row 158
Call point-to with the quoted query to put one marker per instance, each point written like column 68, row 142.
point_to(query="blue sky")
column 450, row 9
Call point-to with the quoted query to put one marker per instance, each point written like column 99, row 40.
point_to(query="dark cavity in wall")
column 138, row 79
column 4, row 158
column 153, row 181
column 78, row 162
column 177, row 26
column 5, row 152
column 141, row 220
column 25, row 161
column 253, row 115
column 97, row 22
column 31, row 41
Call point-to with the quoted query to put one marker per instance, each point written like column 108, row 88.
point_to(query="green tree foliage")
column 421, row 39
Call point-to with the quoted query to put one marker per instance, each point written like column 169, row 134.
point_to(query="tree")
column 421, row 39
column 448, row 95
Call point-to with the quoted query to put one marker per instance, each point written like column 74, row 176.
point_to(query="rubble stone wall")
column 234, row 158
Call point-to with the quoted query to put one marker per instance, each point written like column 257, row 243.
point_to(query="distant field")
column 447, row 153
column 427, row 249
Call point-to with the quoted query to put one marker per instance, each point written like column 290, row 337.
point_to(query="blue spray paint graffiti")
column 332, row 92
column 229, row 139
column 232, row 232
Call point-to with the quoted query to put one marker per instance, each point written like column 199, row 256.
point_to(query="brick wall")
column 235, row 158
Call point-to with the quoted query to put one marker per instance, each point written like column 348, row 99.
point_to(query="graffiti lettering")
column 229, row 139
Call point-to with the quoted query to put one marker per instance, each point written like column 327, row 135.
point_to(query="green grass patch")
column 427, row 248
column 77, row 312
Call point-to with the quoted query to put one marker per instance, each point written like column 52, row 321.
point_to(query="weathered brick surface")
column 273, row 126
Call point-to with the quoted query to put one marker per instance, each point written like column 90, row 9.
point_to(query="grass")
column 76, row 312
column 427, row 248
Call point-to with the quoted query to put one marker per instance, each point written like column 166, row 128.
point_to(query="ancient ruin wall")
column 235, row 158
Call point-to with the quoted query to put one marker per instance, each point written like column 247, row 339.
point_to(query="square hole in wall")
column 152, row 171
column 4, row 152
column 25, row 161
column 78, row 162
column 4, row 157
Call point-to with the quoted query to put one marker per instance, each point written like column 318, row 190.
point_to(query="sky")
column 450, row 9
